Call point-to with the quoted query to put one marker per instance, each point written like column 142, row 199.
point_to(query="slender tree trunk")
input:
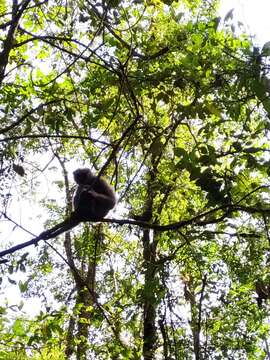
column 150, row 301
column 84, row 317
column 69, row 338
column 195, row 309
column 85, row 287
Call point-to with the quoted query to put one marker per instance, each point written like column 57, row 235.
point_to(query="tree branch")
column 17, row 12
column 25, row 116
column 198, row 220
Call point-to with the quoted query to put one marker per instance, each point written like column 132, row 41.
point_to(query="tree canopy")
column 171, row 105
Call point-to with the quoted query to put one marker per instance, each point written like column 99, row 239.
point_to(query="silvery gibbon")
column 93, row 198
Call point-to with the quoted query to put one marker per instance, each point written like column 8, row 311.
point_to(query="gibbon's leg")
column 58, row 229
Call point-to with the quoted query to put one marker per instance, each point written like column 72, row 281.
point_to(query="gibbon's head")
column 82, row 176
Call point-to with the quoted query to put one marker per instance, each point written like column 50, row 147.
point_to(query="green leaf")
column 266, row 49
column 23, row 286
column 18, row 328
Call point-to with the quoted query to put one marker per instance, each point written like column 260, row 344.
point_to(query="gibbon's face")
column 82, row 176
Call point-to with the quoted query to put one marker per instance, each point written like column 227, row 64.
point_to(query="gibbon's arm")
column 102, row 197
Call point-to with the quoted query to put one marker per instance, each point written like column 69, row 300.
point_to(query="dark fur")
column 94, row 197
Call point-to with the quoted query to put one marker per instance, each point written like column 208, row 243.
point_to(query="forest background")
column 171, row 105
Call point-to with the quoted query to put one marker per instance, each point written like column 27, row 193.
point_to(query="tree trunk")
column 150, row 302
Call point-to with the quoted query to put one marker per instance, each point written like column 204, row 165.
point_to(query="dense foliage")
column 168, row 103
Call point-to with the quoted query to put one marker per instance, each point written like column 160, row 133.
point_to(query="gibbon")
column 94, row 197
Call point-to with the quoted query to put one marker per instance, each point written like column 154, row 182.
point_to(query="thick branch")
column 17, row 12
column 199, row 220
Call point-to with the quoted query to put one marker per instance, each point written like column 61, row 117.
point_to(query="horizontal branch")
column 203, row 219
column 51, row 136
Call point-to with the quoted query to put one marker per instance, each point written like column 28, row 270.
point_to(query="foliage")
column 172, row 107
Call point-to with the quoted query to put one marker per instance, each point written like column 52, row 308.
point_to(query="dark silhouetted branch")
column 203, row 219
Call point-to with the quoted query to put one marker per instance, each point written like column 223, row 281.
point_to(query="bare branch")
column 198, row 220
